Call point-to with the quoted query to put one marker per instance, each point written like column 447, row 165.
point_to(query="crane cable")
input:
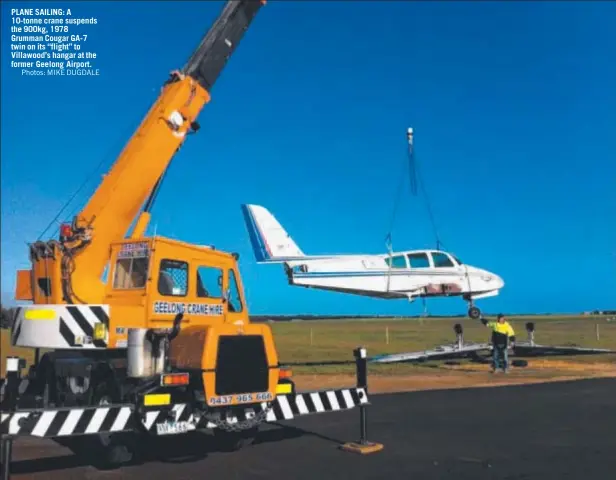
column 413, row 184
column 415, row 180
column 395, row 211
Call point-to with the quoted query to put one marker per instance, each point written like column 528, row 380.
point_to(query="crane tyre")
column 109, row 450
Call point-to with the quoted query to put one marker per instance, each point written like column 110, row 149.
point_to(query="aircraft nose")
column 498, row 281
column 494, row 281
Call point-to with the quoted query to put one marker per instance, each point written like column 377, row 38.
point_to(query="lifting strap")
column 415, row 181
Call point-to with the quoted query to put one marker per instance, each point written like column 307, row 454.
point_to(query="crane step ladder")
column 156, row 414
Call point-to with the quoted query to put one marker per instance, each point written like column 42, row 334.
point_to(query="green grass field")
column 310, row 341
column 335, row 340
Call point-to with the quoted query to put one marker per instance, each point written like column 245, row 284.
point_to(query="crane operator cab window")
column 209, row 282
column 234, row 299
column 173, row 278
column 209, row 285
column 131, row 268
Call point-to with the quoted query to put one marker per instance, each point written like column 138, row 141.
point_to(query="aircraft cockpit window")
column 442, row 260
column 419, row 260
column 457, row 260
column 396, row 262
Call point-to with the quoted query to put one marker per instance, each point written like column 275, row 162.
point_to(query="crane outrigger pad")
column 172, row 419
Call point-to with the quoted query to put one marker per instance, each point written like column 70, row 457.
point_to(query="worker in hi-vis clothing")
column 503, row 337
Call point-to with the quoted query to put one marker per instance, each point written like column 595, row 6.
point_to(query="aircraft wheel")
column 474, row 313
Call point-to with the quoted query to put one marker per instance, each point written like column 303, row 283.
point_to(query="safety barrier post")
column 361, row 367
column 9, row 404
column 363, row 446
column 7, row 446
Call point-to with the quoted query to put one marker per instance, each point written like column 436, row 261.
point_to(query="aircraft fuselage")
column 411, row 274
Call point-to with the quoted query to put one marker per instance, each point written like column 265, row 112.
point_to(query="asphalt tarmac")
column 548, row 431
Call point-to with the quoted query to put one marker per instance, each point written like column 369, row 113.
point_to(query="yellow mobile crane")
column 165, row 344
column 151, row 280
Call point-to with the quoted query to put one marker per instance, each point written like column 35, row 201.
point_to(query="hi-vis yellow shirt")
column 503, row 328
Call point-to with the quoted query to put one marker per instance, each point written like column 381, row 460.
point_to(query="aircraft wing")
column 438, row 353
column 526, row 349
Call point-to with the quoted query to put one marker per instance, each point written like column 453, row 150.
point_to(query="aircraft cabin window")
column 173, row 278
column 442, row 260
column 235, row 302
column 209, row 282
column 396, row 262
column 419, row 260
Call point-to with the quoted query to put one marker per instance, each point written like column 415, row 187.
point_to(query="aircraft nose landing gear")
column 474, row 312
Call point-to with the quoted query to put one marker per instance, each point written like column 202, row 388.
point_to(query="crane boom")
column 70, row 271
column 210, row 57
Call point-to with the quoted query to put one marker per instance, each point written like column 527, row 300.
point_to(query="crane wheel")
column 234, row 441
column 105, row 451
column 115, row 452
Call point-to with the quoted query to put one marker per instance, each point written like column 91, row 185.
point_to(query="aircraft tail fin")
column 270, row 241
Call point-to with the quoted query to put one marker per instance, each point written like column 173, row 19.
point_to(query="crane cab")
column 151, row 280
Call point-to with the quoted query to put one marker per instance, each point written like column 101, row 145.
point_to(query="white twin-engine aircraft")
column 410, row 274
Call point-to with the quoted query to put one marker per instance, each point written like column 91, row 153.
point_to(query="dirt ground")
column 464, row 376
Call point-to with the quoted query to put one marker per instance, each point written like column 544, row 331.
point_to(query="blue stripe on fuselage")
column 372, row 274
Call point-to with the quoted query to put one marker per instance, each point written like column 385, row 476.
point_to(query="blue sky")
column 513, row 105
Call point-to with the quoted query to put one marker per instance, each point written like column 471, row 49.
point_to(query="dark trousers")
column 500, row 357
